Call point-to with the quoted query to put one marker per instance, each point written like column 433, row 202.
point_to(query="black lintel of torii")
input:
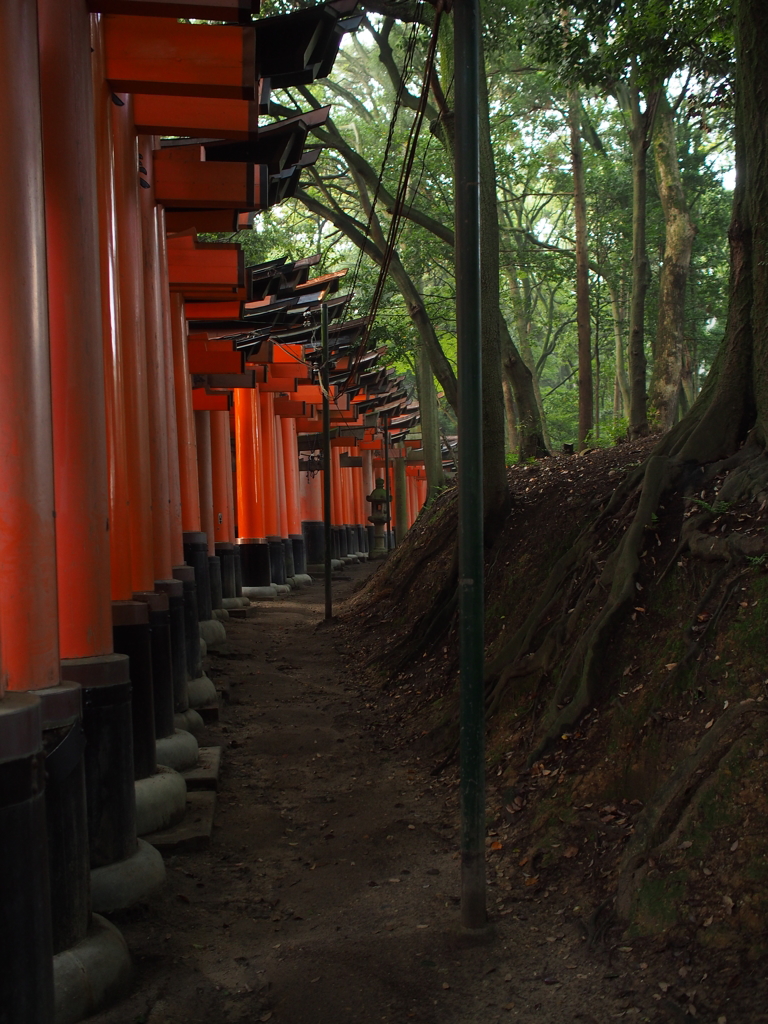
column 278, row 145
column 300, row 47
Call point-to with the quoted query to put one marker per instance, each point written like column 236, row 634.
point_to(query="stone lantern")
column 379, row 498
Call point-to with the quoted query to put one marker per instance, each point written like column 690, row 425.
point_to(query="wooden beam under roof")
column 166, row 57
column 238, row 11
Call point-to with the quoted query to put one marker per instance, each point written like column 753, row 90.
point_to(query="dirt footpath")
column 329, row 893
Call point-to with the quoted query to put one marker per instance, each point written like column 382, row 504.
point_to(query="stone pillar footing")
column 122, row 884
column 213, row 632
column 189, row 721
column 177, row 751
column 92, row 975
column 161, row 800
column 201, row 692
column 261, row 593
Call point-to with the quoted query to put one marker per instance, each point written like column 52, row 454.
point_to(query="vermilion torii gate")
column 154, row 400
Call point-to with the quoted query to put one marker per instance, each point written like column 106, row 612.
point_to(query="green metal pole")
column 466, row 34
column 325, row 378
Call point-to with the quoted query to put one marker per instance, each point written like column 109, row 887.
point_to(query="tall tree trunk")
column 621, row 370
column 522, row 326
column 430, row 429
column 495, row 485
column 513, row 437
column 531, row 439
column 582, row 271
column 680, row 233
column 639, row 137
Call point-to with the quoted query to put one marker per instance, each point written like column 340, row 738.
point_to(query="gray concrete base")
column 189, row 720
column 261, row 593
column 201, row 692
column 303, row 579
column 94, row 974
column 221, row 614
column 213, row 632
column 178, row 751
column 282, row 588
column 203, row 648
column 160, row 800
column 235, row 602
column 337, row 563
column 120, row 885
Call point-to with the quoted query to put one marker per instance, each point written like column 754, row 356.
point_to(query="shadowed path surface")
column 329, row 893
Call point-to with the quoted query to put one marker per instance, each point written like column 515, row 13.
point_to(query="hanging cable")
column 400, row 199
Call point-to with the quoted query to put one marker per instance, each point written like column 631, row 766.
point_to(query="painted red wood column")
column 204, row 477
column 268, row 460
column 28, row 597
column 132, row 321
column 282, row 506
column 291, row 464
column 172, row 433
column 154, row 288
column 220, row 458
column 185, row 419
column 250, row 522
column 74, row 299
column 112, row 341
column 337, row 494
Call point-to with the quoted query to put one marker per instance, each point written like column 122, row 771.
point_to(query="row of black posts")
column 69, row 756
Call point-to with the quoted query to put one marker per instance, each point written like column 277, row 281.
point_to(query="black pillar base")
column 276, row 560
column 255, row 562
column 196, row 555
column 107, row 723
column 26, row 974
column 131, row 638
column 226, row 556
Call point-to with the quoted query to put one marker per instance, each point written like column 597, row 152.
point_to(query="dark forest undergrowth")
column 649, row 799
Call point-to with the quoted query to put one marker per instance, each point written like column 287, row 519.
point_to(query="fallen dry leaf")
column 710, row 723
column 532, row 881
column 670, row 666
column 496, row 845
column 572, row 851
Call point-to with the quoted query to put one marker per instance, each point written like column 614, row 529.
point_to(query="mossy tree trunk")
column 583, row 324
column 679, row 235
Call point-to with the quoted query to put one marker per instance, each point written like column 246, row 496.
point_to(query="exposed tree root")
column 585, row 598
column 663, row 818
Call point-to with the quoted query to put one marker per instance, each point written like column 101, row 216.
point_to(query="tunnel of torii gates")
column 160, row 423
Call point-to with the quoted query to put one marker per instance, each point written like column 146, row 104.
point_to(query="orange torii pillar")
column 368, row 485
column 350, row 531
column 82, row 505
column 283, row 497
column 112, row 821
column 359, row 499
column 338, row 531
column 172, row 433
column 221, row 474
column 311, row 491
column 117, row 457
column 293, row 496
column 205, row 485
column 269, row 456
column 151, row 666
column 200, row 690
column 168, row 628
column 28, row 600
column 251, row 543
column 251, row 540
column 132, row 322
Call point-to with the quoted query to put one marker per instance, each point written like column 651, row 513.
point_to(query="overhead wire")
column 401, row 196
